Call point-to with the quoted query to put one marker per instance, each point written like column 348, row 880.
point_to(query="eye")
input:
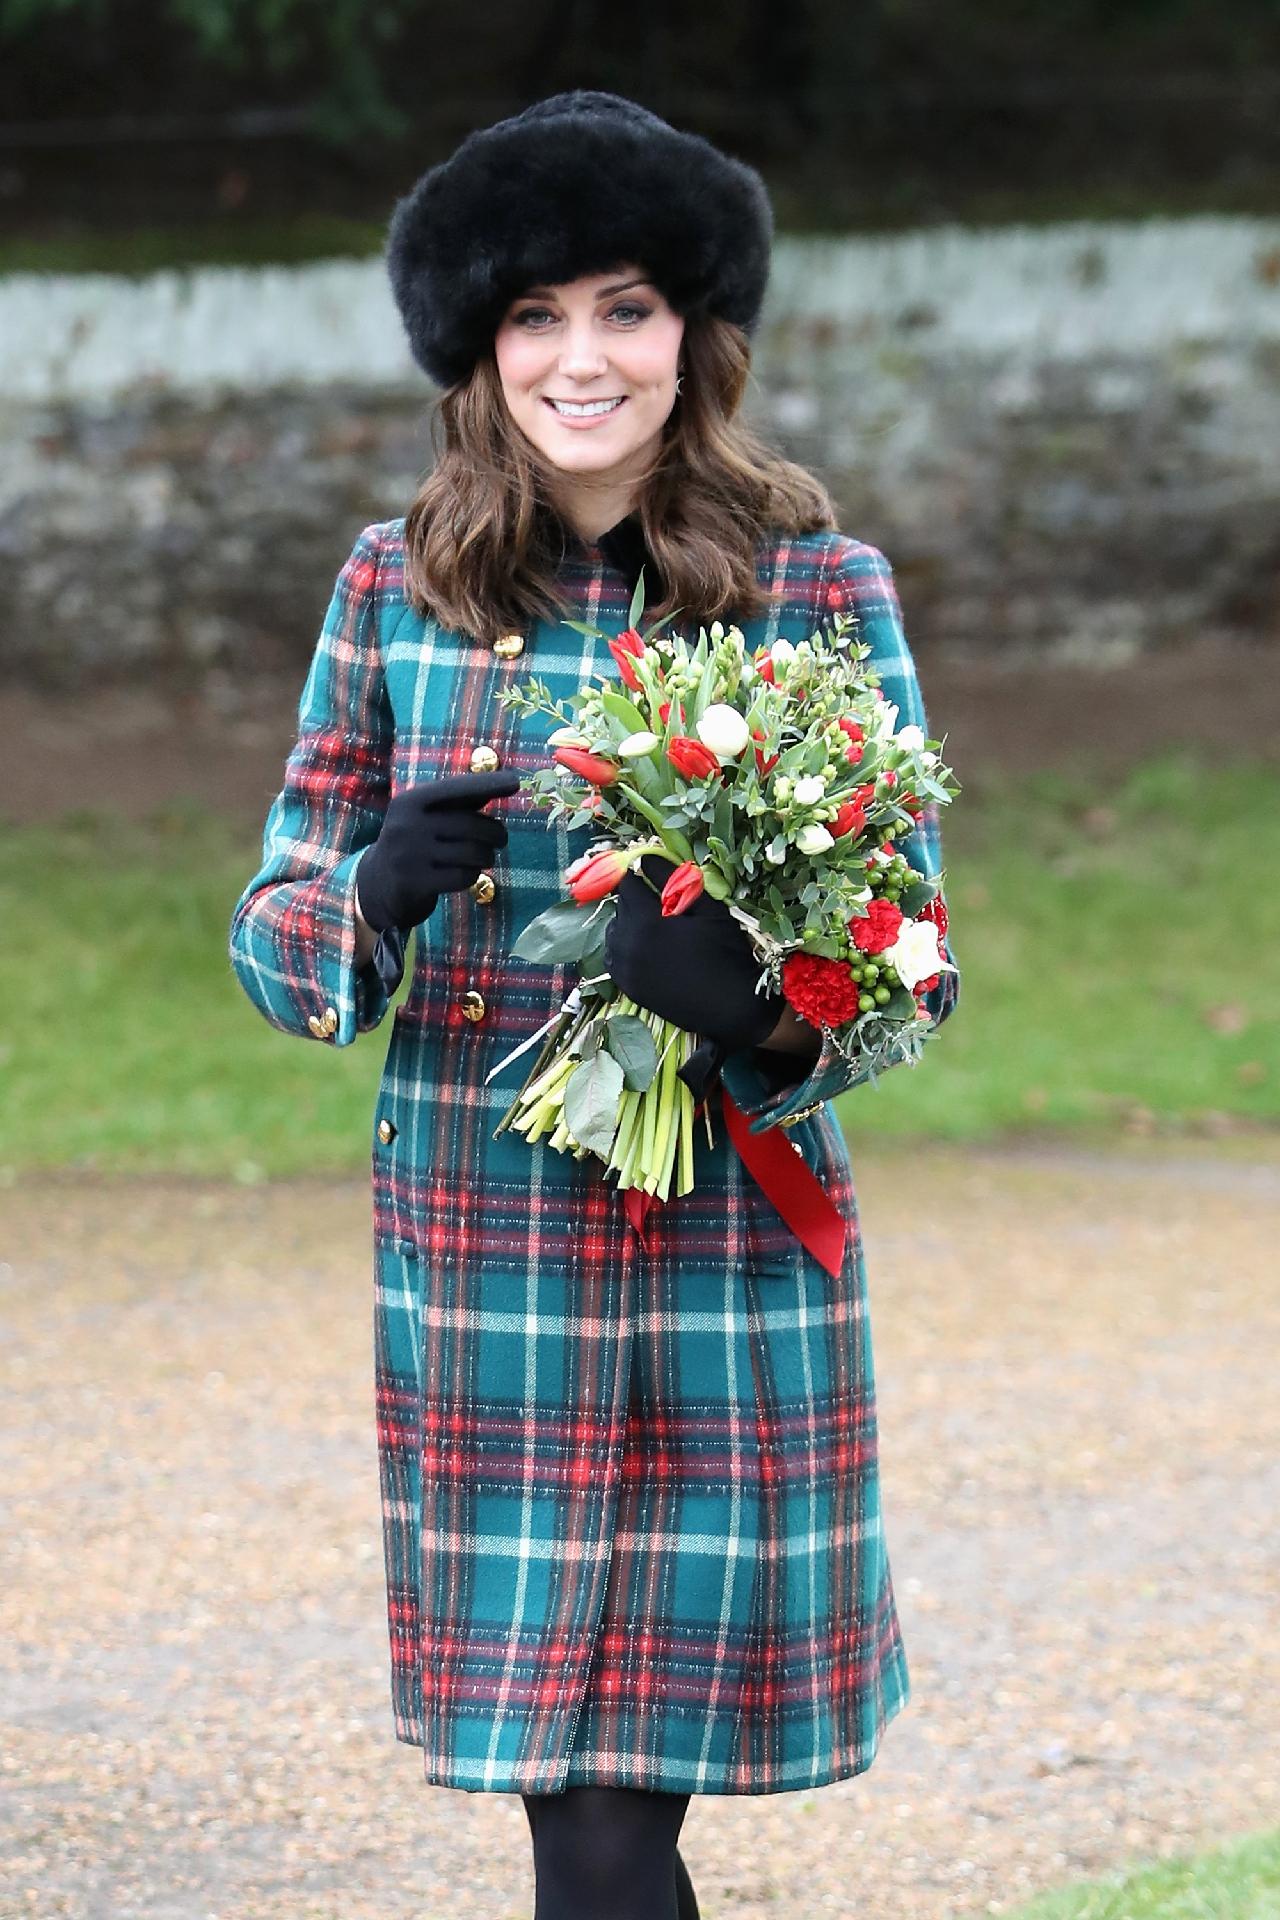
column 530, row 313
column 630, row 306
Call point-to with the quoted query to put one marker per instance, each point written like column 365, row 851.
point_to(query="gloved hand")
column 433, row 840
column 696, row 968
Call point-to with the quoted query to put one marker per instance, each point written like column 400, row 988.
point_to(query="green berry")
column 866, row 1003
column 871, row 971
column 882, row 996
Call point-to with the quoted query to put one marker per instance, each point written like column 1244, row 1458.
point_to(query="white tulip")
column 809, row 789
column 886, row 715
column 912, row 737
column 782, row 653
column 724, row 730
column 566, row 737
column 814, row 839
column 915, row 954
column 636, row 744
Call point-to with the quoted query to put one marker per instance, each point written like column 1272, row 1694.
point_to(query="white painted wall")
column 1021, row 294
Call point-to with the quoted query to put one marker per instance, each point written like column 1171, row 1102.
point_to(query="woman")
column 630, row 1491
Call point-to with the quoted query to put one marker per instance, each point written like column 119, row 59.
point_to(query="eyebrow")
column 603, row 294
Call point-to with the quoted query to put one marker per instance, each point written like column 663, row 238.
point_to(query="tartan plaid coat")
column 630, row 1499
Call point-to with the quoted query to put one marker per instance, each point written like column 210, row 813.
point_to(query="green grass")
column 1120, row 954
column 1236, row 1882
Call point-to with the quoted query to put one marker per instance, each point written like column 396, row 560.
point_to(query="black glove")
column 432, row 841
column 695, row 968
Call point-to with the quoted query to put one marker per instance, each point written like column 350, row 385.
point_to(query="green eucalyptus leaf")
column 918, row 894
column 633, row 1047
column 591, row 1099
column 561, row 934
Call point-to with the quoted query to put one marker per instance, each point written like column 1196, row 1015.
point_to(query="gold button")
column 484, row 760
column 484, row 888
column 473, row 1004
column 329, row 1020
column 509, row 646
column 386, row 1132
column 316, row 1025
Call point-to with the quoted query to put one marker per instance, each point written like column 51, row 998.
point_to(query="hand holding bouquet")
column 775, row 785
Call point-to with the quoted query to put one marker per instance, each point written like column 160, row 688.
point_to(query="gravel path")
column 1079, row 1442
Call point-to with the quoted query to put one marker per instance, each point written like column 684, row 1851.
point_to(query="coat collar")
column 622, row 548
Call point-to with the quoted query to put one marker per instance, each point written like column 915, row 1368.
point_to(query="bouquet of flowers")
column 774, row 781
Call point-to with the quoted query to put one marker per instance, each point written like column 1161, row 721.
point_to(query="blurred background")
column 1024, row 318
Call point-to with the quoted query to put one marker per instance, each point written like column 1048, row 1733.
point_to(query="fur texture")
column 575, row 184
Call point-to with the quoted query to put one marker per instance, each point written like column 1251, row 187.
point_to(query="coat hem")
column 694, row 1779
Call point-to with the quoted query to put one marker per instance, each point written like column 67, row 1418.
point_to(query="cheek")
column 518, row 358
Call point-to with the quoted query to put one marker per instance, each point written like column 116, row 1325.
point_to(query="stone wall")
column 1067, row 440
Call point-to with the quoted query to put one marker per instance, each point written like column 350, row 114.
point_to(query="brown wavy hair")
column 483, row 540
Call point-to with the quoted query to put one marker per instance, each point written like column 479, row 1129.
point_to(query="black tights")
column 609, row 1853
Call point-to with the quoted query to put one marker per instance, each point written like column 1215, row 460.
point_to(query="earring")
column 679, row 382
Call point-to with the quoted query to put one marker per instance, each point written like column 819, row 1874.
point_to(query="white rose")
column 814, row 839
column 636, row 744
column 915, row 953
column 724, row 730
column 912, row 737
column 809, row 789
column 566, row 737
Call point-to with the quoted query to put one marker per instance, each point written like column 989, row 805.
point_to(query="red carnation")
column 822, row 991
column 690, row 758
column 878, row 928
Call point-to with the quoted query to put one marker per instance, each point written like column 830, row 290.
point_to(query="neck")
column 592, row 505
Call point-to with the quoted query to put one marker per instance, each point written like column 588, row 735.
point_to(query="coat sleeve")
column 862, row 584
column 293, row 930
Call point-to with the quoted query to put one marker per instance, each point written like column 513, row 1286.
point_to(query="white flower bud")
column 809, row 789
column 915, row 953
column 636, row 744
column 724, row 730
column 814, row 839
column 911, row 737
column 782, row 653
column 567, row 737
column 717, row 630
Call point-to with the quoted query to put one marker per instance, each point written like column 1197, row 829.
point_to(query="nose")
column 581, row 354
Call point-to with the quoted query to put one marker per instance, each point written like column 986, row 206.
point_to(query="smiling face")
column 562, row 351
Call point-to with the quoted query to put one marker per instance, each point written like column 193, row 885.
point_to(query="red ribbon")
column 778, row 1166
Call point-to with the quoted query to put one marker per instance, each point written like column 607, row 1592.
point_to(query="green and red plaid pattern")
column 631, row 1504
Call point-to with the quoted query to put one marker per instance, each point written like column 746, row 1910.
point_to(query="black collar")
column 623, row 548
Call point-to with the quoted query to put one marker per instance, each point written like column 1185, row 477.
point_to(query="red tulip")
column 628, row 647
column 765, row 762
column 682, row 889
column 763, row 663
column 588, row 766
column 665, row 709
column 595, row 874
column 690, row 758
column 850, row 818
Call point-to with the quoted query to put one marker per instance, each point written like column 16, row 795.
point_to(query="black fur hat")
column 575, row 184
